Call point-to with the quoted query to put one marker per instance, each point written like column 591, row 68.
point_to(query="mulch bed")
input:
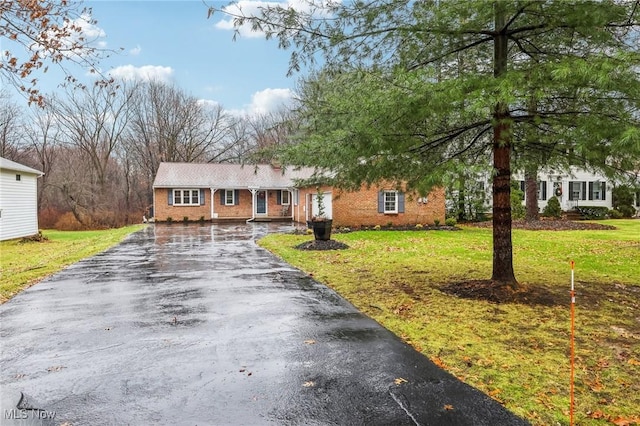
column 322, row 245
column 549, row 225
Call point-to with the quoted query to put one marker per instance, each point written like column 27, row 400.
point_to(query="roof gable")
column 17, row 167
column 228, row 176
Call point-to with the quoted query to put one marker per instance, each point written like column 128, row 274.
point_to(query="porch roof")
column 227, row 176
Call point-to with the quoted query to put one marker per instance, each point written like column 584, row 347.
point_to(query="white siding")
column 562, row 179
column 18, row 204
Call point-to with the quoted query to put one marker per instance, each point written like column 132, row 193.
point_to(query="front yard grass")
column 516, row 353
column 24, row 263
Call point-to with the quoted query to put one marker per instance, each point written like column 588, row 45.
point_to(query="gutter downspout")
column 213, row 191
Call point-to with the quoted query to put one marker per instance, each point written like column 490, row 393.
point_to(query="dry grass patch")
column 516, row 352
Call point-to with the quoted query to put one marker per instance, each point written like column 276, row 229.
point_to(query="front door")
column 261, row 202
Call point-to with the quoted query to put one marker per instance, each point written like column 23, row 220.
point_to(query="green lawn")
column 516, row 353
column 25, row 263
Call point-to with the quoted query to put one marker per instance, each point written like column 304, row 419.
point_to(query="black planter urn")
column 322, row 229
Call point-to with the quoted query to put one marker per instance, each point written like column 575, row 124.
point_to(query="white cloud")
column 135, row 51
column 208, row 103
column 144, row 73
column 269, row 100
column 252, row 8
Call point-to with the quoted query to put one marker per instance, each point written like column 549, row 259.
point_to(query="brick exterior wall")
column 241, row 211
column 360, row 208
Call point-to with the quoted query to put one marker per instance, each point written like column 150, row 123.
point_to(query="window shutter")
column 380, row 202
column 543, row 188
column 522, row 186
column 584, row 190
column 223, row 193
column 279, row 197
column 400, row 202
column 202, row 197
column 604, row 190
column 591, row 190
column 170, row 192
column 570, row 191
column 236, row 197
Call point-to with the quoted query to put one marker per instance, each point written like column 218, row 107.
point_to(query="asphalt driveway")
column 197, row 325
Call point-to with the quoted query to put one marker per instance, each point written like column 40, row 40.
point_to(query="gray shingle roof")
column 17, row 167
column 227, row 176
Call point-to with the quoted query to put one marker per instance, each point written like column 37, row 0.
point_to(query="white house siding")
column 18, row 202
column 584, row 186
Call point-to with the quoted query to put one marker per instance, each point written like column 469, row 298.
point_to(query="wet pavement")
column 197, row 325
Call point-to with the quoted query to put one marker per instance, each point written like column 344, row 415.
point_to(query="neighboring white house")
column 573, row 189
column 18, row 200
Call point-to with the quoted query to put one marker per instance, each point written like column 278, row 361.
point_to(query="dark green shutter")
column 236, row 197
column 604, row 191
column 591, row 190
column 202, row 197
column 400, row 202
column 584, row 190
column 570, row 191
column 380, row 202
column 279, row 197
column 170, row 197
column 222, row 196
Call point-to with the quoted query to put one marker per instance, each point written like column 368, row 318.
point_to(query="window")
column 186, row 197
column 229, row 197
column 597, row 191
column 285, row 198
column 542, row 190
column 577, row 190
column 18, row 177
column 391, row 202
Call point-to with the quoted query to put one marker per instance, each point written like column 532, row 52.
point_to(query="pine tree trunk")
column 503, row 274
column 531, row 194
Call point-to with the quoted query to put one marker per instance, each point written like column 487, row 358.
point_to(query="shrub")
column 185, row 219
column 552, row 209
column 377, row 227
column 436, row 222
column 201, row 219
column 615, row 214
column 450, row 221
column 169, row 219
column 622, row 197
column 593, row 212
column 419, row 226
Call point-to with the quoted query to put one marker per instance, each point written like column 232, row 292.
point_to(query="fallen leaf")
column 448, row 407
column 310, row 342
column 437, row 361
column 309, row 384
column 56, row 368
column 633, row 361
column 625, row 421
column 400, row 381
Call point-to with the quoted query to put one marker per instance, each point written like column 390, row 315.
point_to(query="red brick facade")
column 359, row 208
column 240, row 211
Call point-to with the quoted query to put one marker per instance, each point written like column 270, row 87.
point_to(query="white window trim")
column 384, row 195
column 226, row 198
column 189, row 197
column 282, row 193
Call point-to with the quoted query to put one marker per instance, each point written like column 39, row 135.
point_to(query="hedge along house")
column 18, row 200
column 225, row 192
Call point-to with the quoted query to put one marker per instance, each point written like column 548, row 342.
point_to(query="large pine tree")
column 407, row 87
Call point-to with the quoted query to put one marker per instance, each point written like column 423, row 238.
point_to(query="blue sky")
column 175, row 42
